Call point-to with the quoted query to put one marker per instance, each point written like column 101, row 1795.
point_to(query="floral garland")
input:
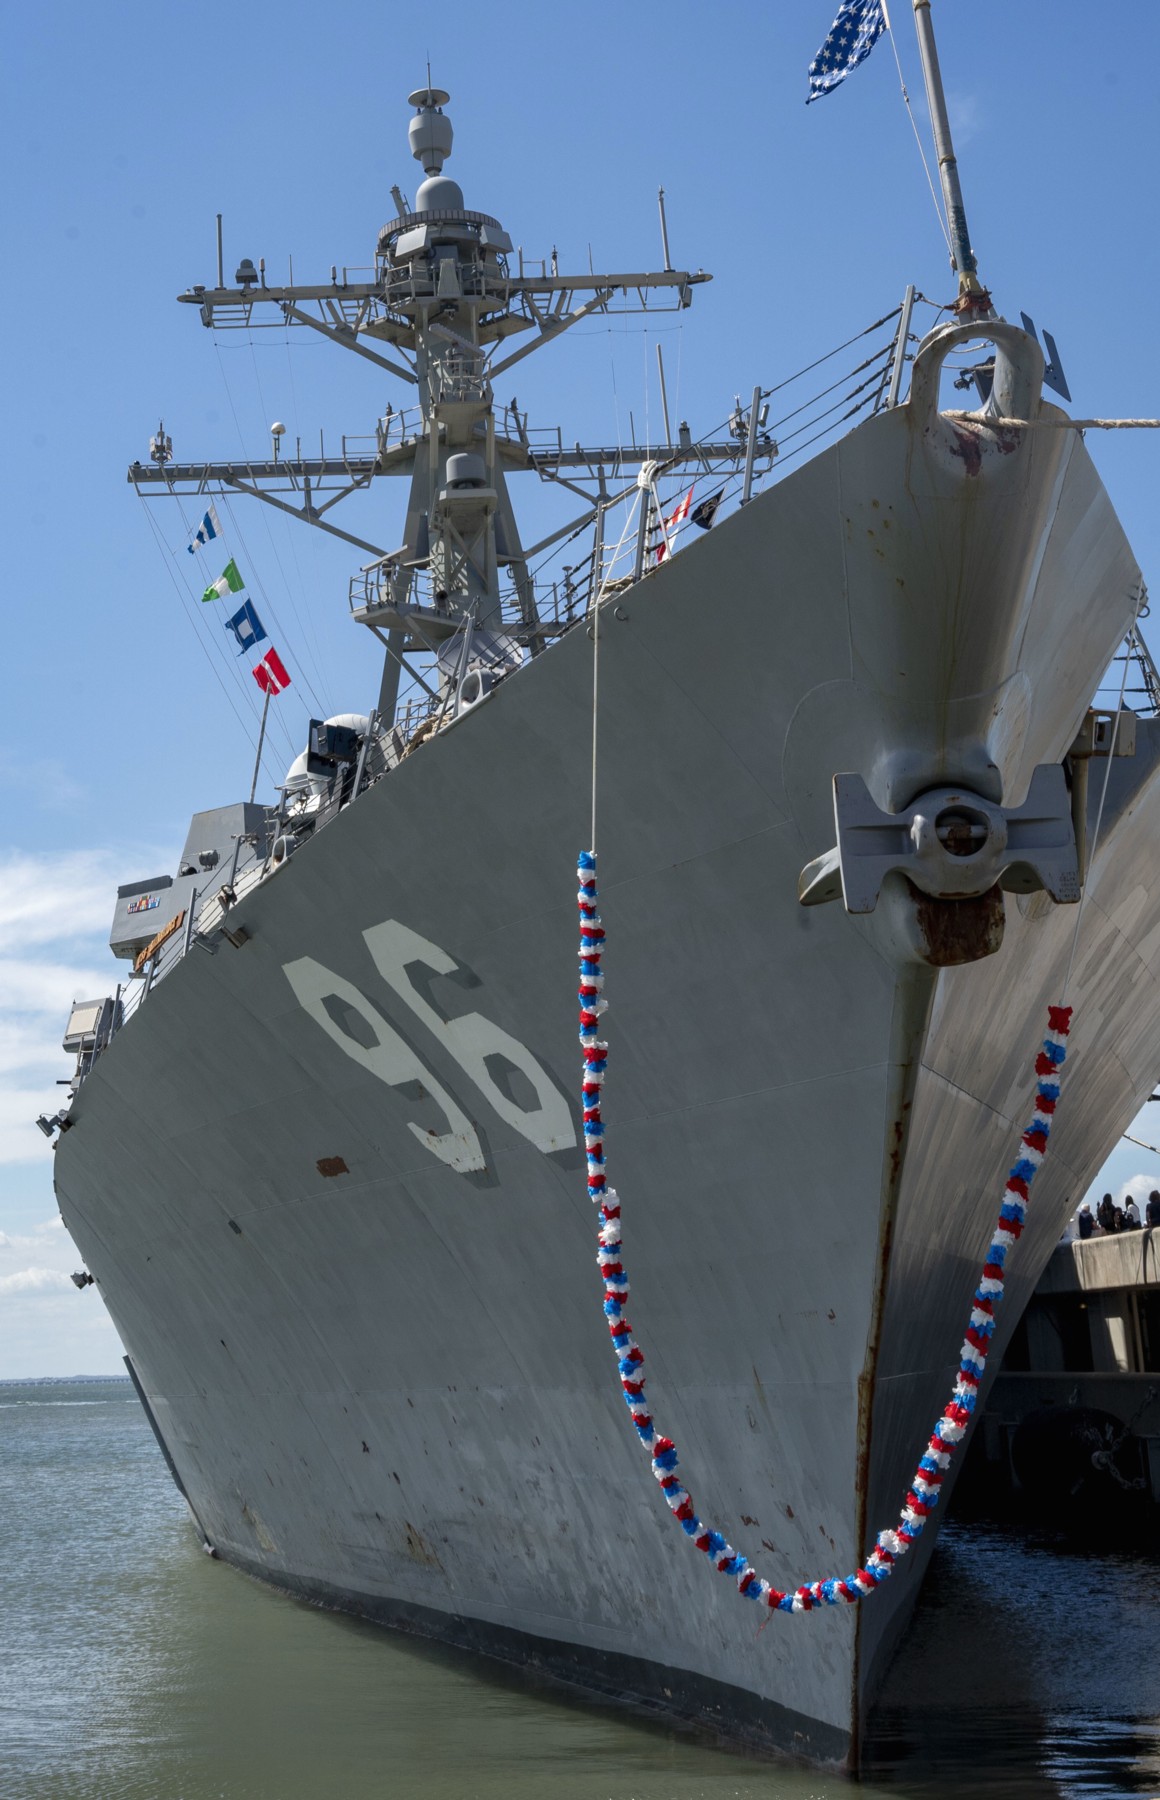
column 922, row 1495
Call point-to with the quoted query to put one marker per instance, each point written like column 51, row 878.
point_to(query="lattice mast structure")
column 457, row 307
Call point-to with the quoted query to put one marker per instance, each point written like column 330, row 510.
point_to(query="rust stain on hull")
column 957, row 931
column 914, row 997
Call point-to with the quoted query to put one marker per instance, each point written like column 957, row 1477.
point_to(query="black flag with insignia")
column 704, row 514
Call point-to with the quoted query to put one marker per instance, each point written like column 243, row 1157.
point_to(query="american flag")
column 854, row 33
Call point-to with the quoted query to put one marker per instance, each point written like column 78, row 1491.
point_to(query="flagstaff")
column 973, row 296
column 854, row 33
column 261, row 742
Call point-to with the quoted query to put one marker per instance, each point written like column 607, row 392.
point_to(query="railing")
column 630, row 537
column 301, row 814
column 1141, row 678
column 410, row 284
column 558, row 603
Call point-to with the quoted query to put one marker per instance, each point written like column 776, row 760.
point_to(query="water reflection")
column 139, row 1670
column 1031, row 1664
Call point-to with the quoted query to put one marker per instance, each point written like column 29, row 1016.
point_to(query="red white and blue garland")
column 922, row 1495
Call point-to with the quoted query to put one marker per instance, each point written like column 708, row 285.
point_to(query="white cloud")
column 55, row 913
column 966, row 116
column 46, row 779
column 52, row 898
column 34, row 1280
column 32, row 985
column 58, row 1333
column 38, row 1261
column 21, row 1140
column 50, row 1242
column 50, row 1328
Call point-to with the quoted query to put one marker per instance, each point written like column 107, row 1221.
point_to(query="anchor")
column 950, row 843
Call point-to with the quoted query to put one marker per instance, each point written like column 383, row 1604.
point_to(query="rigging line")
column 849, row 395
column 768, row 393
column 680, row 348
column 281, row 726
column 595, row 696
column 918, row 140
column 277, row 558
column 869, row 363
column 182, row 596
column 629, row 330
column 292, row 536
column 1064, row 424
column 631, row 515
column 882, row 355
column 644, row 350
column 886, row 351
column 826, row 429
column 546, row 561
column 241, row 687
column 619, row 444
column 266, row 600
column 1091, row 858
column 297, row 415
column 277, row 725
column 190, row 589
column 557, row 549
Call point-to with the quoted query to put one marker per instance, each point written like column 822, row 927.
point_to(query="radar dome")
column 439, row 194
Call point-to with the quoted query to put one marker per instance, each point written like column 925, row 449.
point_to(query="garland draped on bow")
column 923, row 1492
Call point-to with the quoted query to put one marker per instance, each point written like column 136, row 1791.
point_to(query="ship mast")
column 451, row 307
column 973, row 296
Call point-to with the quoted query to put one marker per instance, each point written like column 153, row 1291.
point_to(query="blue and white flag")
column 246, row 626
column 854, row 33
column 210, row 527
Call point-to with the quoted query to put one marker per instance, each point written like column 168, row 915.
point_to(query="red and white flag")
column 270, row 674
column 672, row 524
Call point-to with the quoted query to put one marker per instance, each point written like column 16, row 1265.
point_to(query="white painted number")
column 471, row 1039
column 388, row 1057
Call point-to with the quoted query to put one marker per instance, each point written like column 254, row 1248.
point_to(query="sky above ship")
column 126, row 128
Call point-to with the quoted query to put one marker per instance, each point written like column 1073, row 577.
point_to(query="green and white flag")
column 228, row 582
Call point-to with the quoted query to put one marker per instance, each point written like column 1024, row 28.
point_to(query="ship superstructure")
column 330, row 1176
column 451, row 308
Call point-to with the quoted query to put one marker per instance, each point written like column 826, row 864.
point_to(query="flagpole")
column 261, row 741
column 973, row 296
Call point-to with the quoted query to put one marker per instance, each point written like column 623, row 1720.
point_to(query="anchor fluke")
column 950, row 843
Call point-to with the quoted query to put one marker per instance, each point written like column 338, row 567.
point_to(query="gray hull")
column 390, row 1388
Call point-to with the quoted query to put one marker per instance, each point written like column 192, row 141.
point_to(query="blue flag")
column 210, row 527
column 246, row 626
column 854, row 33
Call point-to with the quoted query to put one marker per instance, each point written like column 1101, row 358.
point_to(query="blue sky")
column 127, row 127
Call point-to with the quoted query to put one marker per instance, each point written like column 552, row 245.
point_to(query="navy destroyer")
column 323, row 1152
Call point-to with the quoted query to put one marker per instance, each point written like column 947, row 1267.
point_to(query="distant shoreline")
column 61, row 1380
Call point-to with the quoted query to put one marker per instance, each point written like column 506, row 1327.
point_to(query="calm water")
column 134, row 1668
